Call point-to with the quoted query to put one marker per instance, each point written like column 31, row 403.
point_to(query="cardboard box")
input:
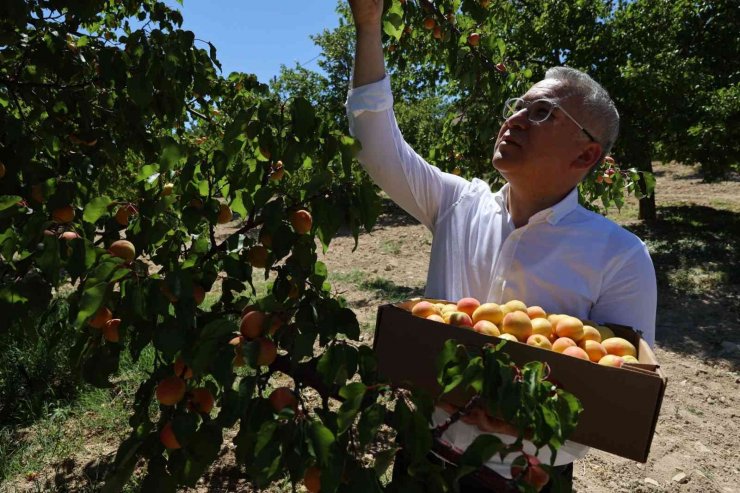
column 620, row 405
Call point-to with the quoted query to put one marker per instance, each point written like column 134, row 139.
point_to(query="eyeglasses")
column 538, row 111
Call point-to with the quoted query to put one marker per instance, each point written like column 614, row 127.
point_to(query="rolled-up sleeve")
column 416, row 186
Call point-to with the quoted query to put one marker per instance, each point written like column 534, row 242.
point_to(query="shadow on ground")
column 696, row 252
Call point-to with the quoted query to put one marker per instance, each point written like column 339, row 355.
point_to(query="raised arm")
column 369, row 62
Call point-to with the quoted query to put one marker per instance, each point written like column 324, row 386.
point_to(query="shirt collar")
column 553, row 214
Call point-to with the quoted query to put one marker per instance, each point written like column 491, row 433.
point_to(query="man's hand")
column 366, row 13
column 369, row 62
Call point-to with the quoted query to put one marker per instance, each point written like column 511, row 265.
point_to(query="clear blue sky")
column 257, row 36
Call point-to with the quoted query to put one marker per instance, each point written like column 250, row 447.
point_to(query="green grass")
column 391, row 247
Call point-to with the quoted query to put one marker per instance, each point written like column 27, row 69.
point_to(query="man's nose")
column 519, row 119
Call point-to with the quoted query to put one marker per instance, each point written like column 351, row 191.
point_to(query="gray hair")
column 598, row 107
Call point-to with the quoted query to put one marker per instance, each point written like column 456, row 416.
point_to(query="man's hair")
column 601, row 115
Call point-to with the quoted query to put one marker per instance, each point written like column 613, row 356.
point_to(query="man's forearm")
column 369, row 61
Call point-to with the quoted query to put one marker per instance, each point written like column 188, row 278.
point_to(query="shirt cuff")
column 376, row 97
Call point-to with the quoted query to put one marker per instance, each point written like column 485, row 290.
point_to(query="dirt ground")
column 696, row 447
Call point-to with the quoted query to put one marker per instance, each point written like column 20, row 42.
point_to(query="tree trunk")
column 647, row 204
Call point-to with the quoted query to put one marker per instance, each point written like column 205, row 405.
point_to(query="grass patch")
column 381, row 287
column 391, row 247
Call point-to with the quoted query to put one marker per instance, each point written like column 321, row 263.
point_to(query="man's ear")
column 588, row 157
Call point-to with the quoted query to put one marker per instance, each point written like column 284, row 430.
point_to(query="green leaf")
column 352, row 395
column 483, row 448
column 322, row 440
column 304, row 119
column 91, row 301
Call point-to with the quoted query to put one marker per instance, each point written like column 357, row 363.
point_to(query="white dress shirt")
column 566, row 259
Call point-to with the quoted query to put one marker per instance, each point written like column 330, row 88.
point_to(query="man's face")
column 541, row 152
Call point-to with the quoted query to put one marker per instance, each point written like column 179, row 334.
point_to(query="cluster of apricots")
column 531, row 325
column 173, row 390
column 256, row 325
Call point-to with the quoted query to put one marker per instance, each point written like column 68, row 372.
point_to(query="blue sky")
column 257, row 36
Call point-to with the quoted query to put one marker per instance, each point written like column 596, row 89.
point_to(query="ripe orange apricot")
column 167, row 437
column 576, row 352
column 312, row 479
column 63, row 215
column 199, row 294
column 257, row 256
column 252, row 324
column 518, row 324
column 562, row 343
column 612, row 360
column 110, row 330
column 267, row 352
column 542, row 327
column 201, row 400
column 590, row 334
column 468, row 305
column 429, row 23
column 282, row 397
column 514, row 306
column 181, row 369
column 569, row 327
column 540, row 341
column 508, row 337
column 619, row 347
column 536, row 312
column 123, row 249
column 301, row 221
column 224, row 214
column 629, row 359
column 474, row 39
column 170, row 391
column 101, row 318
column 489, row 311
column 436, row 318
column 460, row 319
column 122, row 216
column 594, row 349
column 423, row 309
column 486, row 328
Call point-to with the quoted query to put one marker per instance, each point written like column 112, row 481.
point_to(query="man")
column 530, row 241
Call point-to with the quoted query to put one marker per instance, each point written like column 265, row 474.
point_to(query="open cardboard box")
column 620, row 405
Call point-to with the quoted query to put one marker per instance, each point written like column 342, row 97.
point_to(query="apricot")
column 122, row 216
column 252, row 324
column 110, row 330
column 167, row 189
column 423, row 309
column 312, row 479
column 37, row 193
column 267, row 352
column 201, row 400
column 224, row 214
column 508, row 337
column 514, row 306
column 199, row 294
column 590, row 333
column 238, row 360
column 612, row 360
column 553, row 319
column 196, row 203
column 257, row 256
column 594, row 349
column 569, row 327
column 605, row 332
column 629, row 359
column 436, row 318
column 540, row 341
column 576, row 352
column 63, row 215
column 487, row 328
column 101, row 318
column 181, row 369
column 562, row 343
column 542, row 327
column 460, row 319
column 68, row 236
column 619, row 347
column 282, row 397
column 123, row 249
column 167, row 437
column 473, row 39
column 489, row 311
column 277, row 172
column 167, row 292
column 429, row 23
column 301, row 221
column 534, row 475
column 468, row 305
column 170, row 391
column 518, row 324
column 536, row 312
